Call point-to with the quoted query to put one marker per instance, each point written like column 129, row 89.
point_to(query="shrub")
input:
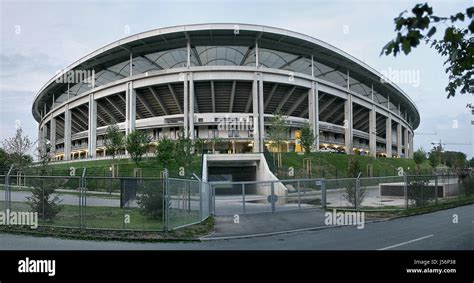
column 150, row 199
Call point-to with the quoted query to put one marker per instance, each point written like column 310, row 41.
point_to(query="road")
column 434, row 231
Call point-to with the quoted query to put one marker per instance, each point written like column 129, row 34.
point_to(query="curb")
column 209, row 238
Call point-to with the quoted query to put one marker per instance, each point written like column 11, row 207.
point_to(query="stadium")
column 196, row 78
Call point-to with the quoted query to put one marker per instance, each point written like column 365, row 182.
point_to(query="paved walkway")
column 253, row 224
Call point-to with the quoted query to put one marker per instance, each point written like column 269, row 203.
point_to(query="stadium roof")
column 110, row 62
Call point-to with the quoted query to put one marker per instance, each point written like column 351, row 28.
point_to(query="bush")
column 42, row 199
column 150, row 199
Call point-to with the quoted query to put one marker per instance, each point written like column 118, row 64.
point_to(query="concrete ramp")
column 262, row 170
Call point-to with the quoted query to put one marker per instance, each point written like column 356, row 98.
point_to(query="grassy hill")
column 150, row 167
column 331, row 165
column 323, row 165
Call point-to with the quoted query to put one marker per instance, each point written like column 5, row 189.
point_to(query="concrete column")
column 313, row 113
column 399, row 140
column 191, row 106
column 411, row 149
column 188, row 54
column 52, row 135
column 40, row 135
column 388, row 136
column 185, row 105
column 261, row 114
column 131, row 110
column 348, row 124
column 405, row 142
column 44, row 133
column 92, row 131
column 372, row 132
column 256, row 127
column 67, row 134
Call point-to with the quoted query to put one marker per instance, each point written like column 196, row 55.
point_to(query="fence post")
column 212, row 202
column 299, row 194
column 323, row 194
column 165, row 200
column 272, row 196
column 357, row 189
column 200, row 200
column 405, row 189
column 243, row 198
column 82, row 199
column 8, row 190
column 436, row 190
column 42, row 199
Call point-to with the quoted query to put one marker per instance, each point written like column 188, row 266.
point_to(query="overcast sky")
column 38, row 38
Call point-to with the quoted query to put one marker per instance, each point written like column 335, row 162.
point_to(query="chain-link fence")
column 388, row 193
column 397, row 192
column 145, row 204
column 266, row 196
column 162, row 204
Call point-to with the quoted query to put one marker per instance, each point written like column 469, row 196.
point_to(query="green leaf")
column 470, row 12
column 460, row 16
column 399, row 23
column 406, row 46
column 448, row 34
column 431, row 32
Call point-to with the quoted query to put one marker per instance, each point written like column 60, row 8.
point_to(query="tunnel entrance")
column 231, row 173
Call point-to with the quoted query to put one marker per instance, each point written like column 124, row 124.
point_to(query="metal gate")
column 230, row 198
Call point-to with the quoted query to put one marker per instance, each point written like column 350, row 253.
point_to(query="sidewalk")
column 254, row 224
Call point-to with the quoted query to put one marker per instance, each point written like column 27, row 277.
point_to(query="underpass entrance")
column 251, row 197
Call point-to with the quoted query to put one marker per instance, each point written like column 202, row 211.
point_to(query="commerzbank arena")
column 189, row 79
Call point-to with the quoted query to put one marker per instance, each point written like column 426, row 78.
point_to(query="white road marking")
column 407, row 242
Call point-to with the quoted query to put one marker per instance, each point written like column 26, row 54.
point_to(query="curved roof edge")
column 221, row 26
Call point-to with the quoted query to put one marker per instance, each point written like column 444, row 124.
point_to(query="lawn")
column 150, row 167
column 101, row 217
column 332, row 165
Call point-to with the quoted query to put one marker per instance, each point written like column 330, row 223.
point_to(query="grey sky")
column 39, row 38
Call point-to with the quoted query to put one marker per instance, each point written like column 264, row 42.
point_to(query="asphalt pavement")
column 433, row 231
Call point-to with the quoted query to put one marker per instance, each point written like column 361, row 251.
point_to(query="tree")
column 353, row 167
column 113, row 140
column 471, row 162
column 419, row 157
column 183, row 150
column 216, row 141
column 150, row 199
column 136, row 144
column 44, row 199
column 4, row 161
column 354, row 195
column 454, row 159
column 165, row 151
column 455, row 42
column 277, row 133
column 307, row 138
column 17, row 148
column 433, row 158
column 199, row 146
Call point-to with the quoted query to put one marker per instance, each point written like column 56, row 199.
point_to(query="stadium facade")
column 195, row 78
